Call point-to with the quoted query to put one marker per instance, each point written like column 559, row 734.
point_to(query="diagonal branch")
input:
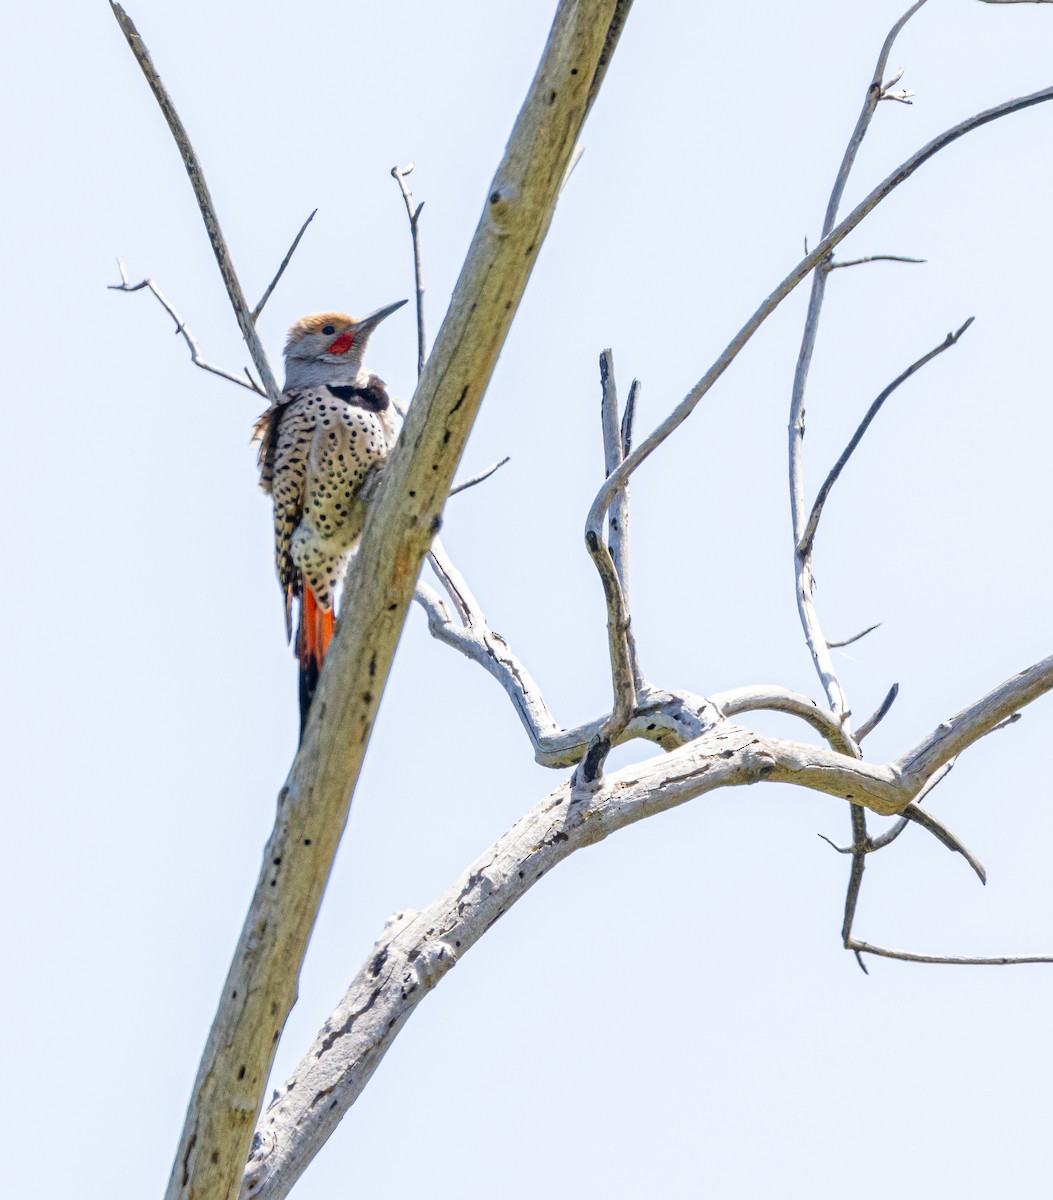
column 204, row 201
column 281, row 270
column 872, row 722
column 856, row 637
column 808, row 537
column 401, row 522
column 800, row 272
column 482, row 477
column 668, row 719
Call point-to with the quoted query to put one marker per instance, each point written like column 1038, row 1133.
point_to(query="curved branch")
column 418, row 949
column 668, row 719
column 773, row 698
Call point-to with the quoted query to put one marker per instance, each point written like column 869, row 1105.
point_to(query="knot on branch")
column 758, row 764
column 429, row 963
column 501, row 207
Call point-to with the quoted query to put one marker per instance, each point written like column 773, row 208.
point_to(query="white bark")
column 417, row 949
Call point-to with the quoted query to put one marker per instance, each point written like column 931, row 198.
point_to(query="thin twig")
column 1005, row 960
column 204, row 202
column 455, row 585
column 807, row 539
column 399, row 175
column 482, row 477
column 890, row 835
column 666, row 719
column 871, row 258
column 920, row 816
column 188, row 337
column 618, row 529
column 281, row 270
column 860, row 843
column 623, row 675
column 873, row 722
column 813, row 634
column 856, row 637
column 807, row 264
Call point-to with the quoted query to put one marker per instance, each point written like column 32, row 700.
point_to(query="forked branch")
column 417, row 949
column 399, row 175
column 181, row 328
column 204, row 201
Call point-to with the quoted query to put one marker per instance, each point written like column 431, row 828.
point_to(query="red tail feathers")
column 312, row 642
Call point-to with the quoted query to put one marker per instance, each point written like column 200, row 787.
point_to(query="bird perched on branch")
column 319, row 452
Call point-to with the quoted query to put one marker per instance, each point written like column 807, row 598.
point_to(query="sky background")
column 669, row 1013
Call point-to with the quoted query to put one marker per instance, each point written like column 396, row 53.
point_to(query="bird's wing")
column 290, row 444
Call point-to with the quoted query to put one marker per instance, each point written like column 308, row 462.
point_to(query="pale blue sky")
column 670, row 1013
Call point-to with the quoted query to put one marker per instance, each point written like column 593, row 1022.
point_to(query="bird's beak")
column 375, row 318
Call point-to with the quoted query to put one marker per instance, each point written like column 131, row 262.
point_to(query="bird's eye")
column 329, row 329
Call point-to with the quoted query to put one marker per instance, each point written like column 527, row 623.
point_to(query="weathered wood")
column 314, row 803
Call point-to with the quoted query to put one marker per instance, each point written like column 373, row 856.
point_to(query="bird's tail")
column 312, row 641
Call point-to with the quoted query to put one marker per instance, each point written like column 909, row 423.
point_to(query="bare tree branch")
column 204, row 201
column 800, row 272
column 779, row 699
column 402, row 520
column 814, row 638
column 871, row 258
column 482, row 477
column 856, row 637
column 807, row 539
column 618, row 530
column 972, row 723
column 281, row 270
column 920, row 816
column 623, row 672
column 417, row 949
column 1005, row 960
column 871, row 723
column 399, row 175
column 668, row 719
column 188, row 337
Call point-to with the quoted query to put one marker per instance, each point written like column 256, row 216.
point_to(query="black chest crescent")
column 373, row 397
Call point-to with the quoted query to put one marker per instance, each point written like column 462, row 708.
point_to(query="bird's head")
column 328, row 347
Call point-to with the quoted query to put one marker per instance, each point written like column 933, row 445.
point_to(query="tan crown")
column 316, row 322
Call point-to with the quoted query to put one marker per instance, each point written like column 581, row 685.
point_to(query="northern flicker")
column 318, row 451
